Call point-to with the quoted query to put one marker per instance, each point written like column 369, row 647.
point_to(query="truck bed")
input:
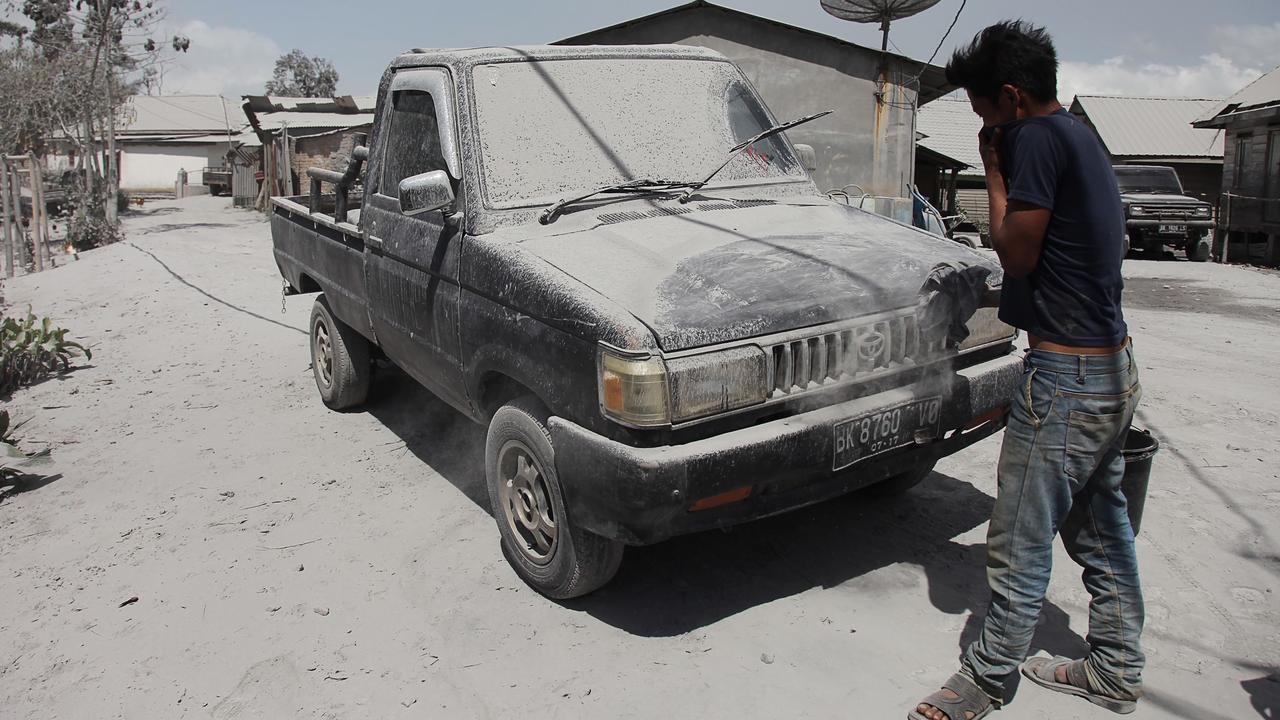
column 315, row 252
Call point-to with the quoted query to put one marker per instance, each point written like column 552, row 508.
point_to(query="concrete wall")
column 797, row 74
column 154, row 167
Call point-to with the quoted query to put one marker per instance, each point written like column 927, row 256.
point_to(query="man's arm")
column 1017, row 227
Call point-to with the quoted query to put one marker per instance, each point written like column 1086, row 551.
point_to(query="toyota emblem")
column 871, row 346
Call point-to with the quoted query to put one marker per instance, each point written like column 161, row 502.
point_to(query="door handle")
column 373, row 242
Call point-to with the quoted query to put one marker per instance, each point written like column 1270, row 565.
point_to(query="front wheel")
column 1199, row 250
column 538, row 538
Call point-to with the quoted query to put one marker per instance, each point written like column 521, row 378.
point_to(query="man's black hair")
column 1012, row 52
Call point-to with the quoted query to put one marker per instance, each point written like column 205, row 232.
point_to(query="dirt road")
column 293, row 562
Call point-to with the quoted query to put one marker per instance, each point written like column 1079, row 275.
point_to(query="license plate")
column 1173, row 229
column 895, row 427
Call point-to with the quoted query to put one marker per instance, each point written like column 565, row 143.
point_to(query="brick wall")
column 330, row 151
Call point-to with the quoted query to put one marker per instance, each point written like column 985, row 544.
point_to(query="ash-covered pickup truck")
column 612, row 258
column 1158, row 213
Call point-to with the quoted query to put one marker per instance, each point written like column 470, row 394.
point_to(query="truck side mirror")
column 808, row 156
column 426, row 192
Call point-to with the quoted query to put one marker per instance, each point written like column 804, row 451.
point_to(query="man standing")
column 1057, row 225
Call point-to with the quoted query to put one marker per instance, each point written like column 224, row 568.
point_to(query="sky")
column 1169, row 48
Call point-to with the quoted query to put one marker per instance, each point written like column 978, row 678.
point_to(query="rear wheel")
column 339, row 359
column 538, row 538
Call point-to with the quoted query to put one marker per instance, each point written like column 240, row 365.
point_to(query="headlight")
column 645, row 391
column 633, row 390
column 1137, row 210
column 1203, row 211
column 716, row 382
column 985, row 328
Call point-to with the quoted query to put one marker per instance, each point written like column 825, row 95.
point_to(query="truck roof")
column 470, row 57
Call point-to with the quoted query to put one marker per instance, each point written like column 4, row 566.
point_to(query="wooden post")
column 8, row 218
column 15, row 194
column 1226, row 237
column 287, row 178
column 39, row 230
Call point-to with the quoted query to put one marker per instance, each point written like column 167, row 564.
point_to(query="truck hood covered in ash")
column 722, row 272
column 1140, row 198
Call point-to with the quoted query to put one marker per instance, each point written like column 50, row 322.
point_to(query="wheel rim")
column 323, row 351
column 526, row 503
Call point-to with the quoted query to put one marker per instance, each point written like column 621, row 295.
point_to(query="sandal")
column 972, row 700
column 1043, row 672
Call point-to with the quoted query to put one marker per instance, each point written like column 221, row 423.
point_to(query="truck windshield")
column 1148, row 180
column 556, row 128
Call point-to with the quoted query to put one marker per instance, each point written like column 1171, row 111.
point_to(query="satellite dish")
column 877, row 11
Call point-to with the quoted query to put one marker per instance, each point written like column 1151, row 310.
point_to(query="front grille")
column 858, row 352
column 1171, row 211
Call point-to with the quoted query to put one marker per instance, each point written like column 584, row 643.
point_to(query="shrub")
column 14, row 461
column 32, row 350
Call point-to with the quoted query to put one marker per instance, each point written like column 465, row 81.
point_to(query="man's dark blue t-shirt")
column 1073, row 296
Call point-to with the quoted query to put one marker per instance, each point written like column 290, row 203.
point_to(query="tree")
column 70, row 78
column 297, row 75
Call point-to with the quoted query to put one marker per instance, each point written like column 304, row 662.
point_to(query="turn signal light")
column 724, row 498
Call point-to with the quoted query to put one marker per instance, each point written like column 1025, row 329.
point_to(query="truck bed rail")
column 341, row 181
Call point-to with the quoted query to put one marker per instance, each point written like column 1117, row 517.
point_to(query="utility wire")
column 914, row 82
column 947, row 33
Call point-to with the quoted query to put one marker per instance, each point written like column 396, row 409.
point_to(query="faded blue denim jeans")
column 1060, row 471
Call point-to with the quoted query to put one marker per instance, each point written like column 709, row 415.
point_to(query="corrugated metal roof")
column 1150, row 127
column 181, row 114
column 1258, row 94
column 339, row 103
column 272, row 122
column 951, row 128
column 236, row 138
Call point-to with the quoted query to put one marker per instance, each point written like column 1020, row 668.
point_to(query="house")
column 163, row 134
column 949, row 128
column 867, row 145
column 319, row 132
column 1158, row 131
column 1249, row 212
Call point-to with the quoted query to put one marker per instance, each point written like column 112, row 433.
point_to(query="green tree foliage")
column 297, row 75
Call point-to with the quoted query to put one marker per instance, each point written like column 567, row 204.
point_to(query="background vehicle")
column 612, row 258
column 217, row 178
column 1158, row 213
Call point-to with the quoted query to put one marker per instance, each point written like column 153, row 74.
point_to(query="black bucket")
column 1139, row 449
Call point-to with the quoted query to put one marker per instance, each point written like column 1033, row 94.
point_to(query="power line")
column 947, row 33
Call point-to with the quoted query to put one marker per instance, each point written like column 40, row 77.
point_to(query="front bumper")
column 643, row 495
column 1156, row 222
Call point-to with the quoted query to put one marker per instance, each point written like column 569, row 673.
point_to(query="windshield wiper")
column 631, row 186
column 736, row 149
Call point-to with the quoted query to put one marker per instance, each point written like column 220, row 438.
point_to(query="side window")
column 1241, row 161
column 413, row 139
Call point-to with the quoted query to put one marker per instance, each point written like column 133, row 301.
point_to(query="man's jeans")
column 1060, row 472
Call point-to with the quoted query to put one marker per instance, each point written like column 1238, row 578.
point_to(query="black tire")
column 343, row 368
column 575, row 562
column 902, row 482
column 1199, row 250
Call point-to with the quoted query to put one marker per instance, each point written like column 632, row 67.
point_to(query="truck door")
column 411, row 263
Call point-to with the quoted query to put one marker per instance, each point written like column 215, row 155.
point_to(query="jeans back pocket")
column 1089, row 436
